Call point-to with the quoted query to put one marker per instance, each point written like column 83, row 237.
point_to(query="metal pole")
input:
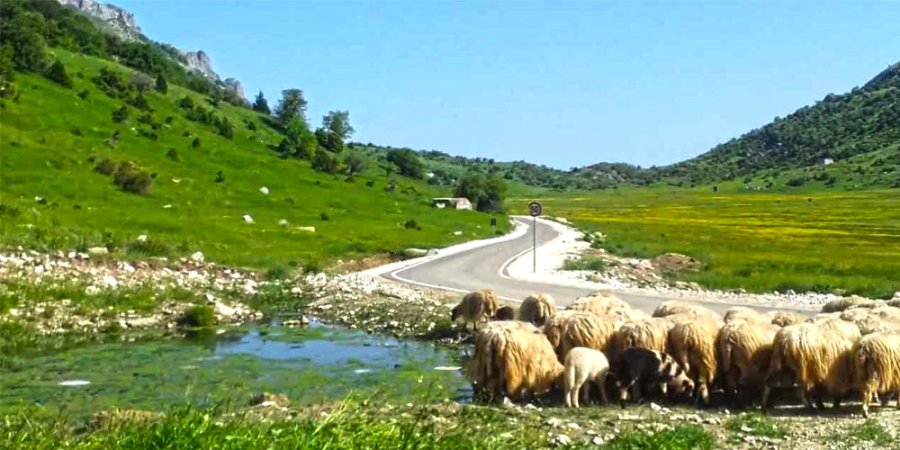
column 534, row 243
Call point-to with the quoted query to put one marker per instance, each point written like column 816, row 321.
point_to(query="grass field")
column 52, row 139
column 814, row 241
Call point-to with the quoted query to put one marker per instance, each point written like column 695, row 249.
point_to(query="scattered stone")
column 283, row 223
column 197, row 257
column 142, row 238
column 248, row 219
column 98, row 251
column 415, row 252
column 264, row 190
column 267, row 399
column 307, row 229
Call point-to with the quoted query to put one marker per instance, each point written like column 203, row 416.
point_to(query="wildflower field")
column 822, row 241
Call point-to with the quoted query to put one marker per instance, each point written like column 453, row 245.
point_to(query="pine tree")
column 162, row 86
column 261, row 105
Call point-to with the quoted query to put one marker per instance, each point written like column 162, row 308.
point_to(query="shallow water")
column 309, row 365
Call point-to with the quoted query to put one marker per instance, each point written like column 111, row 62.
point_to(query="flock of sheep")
column 852, row 347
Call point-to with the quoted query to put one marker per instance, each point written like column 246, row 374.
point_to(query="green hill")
column 859, row 131
column 56, row 141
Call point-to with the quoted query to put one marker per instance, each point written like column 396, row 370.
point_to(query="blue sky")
column 563, row 83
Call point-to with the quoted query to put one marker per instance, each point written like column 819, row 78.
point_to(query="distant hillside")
column 858, row 133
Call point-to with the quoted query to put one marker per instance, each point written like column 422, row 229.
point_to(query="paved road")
column 479, row 268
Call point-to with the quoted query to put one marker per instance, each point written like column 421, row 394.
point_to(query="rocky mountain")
column 120, row 21
column 199, row 61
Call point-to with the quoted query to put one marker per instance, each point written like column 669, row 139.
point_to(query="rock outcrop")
column 200, row 62
column 120, row 20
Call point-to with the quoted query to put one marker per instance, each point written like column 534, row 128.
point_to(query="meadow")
column 820, row 241
column 51, row 196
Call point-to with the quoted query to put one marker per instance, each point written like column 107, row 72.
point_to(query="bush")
column 355, row 163
column 324, row 216
column 120, row 115
column 795, row 182
column 106, row 167
column 407, row 162
column 131, row 178
column 186, row 102
column 220, row 177
column 224, row 127
column 195, row 143
column 411, row 224
column 486, row 192
column 57, row 73
column 84, row 94
column 324, row 162
column 198, row 316
column 173, row 155
column 162, row 86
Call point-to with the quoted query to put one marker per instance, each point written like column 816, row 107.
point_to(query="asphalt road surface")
column 480, row 268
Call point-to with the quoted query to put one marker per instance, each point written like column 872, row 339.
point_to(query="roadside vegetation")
column 844, row 242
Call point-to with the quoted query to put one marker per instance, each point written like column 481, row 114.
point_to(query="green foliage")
column 338, row 123
column 871, row 431
column 173, row 155
column 162, row 86
column 329, row 140
column 323, row 161
column 292, row 106
column 120, row 115
column 758, row 424
column 21, row 32
column 407, row 163
column 486, row 192
column 586, row 263
column 131, row 178
column 57, row 73
column 224, row 127
column 355, row 163
column 40, row 154
column 682, row 437
column 411, row 224
column 198, row 316
column 261, row 105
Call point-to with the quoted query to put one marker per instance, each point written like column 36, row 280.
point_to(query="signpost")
column 535, row 209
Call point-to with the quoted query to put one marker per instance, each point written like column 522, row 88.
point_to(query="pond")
column 310, row 365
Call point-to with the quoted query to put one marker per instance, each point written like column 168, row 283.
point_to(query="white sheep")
column 584, row 366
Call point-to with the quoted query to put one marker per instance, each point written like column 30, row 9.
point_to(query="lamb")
column 513, row 359
column 649, row 333
column 584, row 366
column 569, row 329
column 876, row 361
column 478, row 306
column 784, row 318
column 817, row 354
column 505, row 313
column 745, row 349
column 638, row 369
column 537, row 309
column 693, row 345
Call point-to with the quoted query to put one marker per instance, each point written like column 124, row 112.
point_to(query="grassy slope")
column 755, row 241
column 41, row 156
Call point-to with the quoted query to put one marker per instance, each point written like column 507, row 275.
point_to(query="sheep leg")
column 586, row 393
column 804, row 396
column 898, row 399
column 867, row 396
column 601, row 384
column 820, row 391
column 765, row 398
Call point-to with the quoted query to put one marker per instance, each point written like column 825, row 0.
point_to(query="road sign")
column 535, row 209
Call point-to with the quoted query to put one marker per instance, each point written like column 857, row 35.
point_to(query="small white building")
column 451, row 202
column 827, row 161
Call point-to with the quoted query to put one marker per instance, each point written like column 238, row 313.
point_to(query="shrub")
column 131, row 178
column 173, row 155
column 148, row 247
column 195, row 143
column 220, row 177
column 686, row 437
column 411, row 224
column 324, row 216
column 120, row 115
column 142, row 83
column 106, row 167
column 407, row 163
column 198, row 316
column 795, row 182
column 57, row 73
column 76, row 131
column 186, row 102
column 355, row 163
column 278, row 272
column 84, row 94
column 324, row 162
column 486, row 192
column 224, row 127
column 162, row 86
column 140, row 102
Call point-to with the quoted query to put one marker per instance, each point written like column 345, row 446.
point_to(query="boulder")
column 97, row 251
column 415, row 252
